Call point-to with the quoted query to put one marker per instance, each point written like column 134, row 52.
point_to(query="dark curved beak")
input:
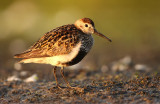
column 101, row 35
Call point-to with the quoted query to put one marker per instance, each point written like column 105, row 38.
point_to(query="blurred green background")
column 133, row 26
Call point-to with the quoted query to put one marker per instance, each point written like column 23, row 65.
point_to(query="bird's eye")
column 86, row 25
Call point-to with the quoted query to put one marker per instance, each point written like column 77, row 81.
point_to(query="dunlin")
column 63, row 46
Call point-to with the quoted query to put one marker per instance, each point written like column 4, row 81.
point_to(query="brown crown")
column 87, row 20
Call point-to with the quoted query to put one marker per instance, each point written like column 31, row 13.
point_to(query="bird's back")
column 58, row 41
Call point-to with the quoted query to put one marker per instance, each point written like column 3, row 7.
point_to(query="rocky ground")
column 120, row 82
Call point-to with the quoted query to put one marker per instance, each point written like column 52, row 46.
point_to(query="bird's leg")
column 68, row 85
column 54, row 72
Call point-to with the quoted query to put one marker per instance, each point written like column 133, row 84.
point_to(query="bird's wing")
column 56, row 42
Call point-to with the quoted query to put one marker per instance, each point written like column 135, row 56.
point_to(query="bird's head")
column 87, row 26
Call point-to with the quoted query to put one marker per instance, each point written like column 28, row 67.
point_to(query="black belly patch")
column 77, row 59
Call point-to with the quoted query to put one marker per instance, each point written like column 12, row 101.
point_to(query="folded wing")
column 58, row 41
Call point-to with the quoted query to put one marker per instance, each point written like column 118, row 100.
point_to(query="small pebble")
column 122, row 64
column 23, row 73
column 104, row 68
column 119, row 67
column 127, row 60
column 17, row 66
column 13, row 78
column 142, row 67
column 32, row 78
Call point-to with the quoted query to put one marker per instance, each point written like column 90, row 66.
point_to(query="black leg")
column 68, row 85
column 54, row 72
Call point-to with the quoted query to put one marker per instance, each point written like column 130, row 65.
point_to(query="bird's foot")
column 77, row 89
column 59, row 87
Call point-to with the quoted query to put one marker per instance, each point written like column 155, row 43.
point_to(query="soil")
column 90, row 86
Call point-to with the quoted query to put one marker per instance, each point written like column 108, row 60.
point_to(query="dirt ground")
column 94, row 86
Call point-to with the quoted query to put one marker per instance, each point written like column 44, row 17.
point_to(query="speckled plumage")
column 56, row 42
column 63, row 46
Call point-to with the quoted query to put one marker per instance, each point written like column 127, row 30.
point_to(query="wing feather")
column 56, row 42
